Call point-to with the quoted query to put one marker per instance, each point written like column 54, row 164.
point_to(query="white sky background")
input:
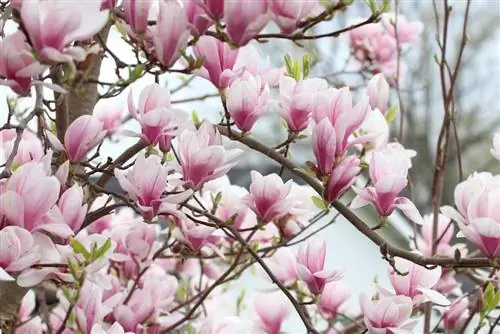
column 347, row 248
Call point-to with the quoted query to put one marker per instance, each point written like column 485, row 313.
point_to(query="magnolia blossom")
column 194, row 235
column 271, row 311
column 244, row 19
column 246, row 101
column 159, row 122
column 298, row 100
column 29, row 149
column 388, row 314
column 17, row 251
column 401, row 29
column 496, row 146
column 109, row 112
column 342, row 178
column 72, row 207
column 138, row 309
column 214, row 8
column 445, row 233
column 17, row 64
column 29, row 324
column 283, row 264
column 171, row 33
column 478, row 202
column 287, row 14
column 269, row 197
column 376, row 128
column 202, row 156
column 53, row 25
column 310, row 266
column 333, row 296
column 456, row 314
column 417, row 284
column 388, row 173
column 116, row 328
column 249, row 61
column 219, row 60
column 199, row 21
column 136, row 14
column 378, row 93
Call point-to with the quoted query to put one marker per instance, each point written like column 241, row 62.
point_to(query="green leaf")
column 136, row 72
column 491, row 299
column 306, row 65
column 190, row 329
column 386, row 6
column 239, row 302
column 121, row 28
column 181, row 294
column 391, row 113
column 103, row 249
column 216, row 199
column 195, row 118
column 319, row 203
column 79, row 248
column 372, row 5
column 288, row 64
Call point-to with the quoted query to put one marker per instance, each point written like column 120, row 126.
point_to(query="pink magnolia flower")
column 17, row 64
column 30, row 325
column 375, row 128
column 17, row 251
column 287, row 14
column 53, row 25
column 342, row 178
column 159, row 122
column 73, row 208
column 298, row 100
column 202, row 156
column 219, row 60
column 116, row 328
column 333, row 296
column 388, row 173
column 478, row 216
column 29, row 149
column 403, row 31
column 109, row 112
column 136, row 14
column 388, row 315
column 456, row 314
column 324, row 143
column 140, row 239
column 271, row 310
column 283, row 264
column 246, row 101
column 269, row 198
column 496, row 146
column 199, row 21
column 310, row 266
column 138, row 309
column 417, row 284
column 378, row 93
column 249, row 61
column 244, row 20
column 194, row 235
column 171, row 33
column 214, row 8
column 445, row 233
column 29, row 199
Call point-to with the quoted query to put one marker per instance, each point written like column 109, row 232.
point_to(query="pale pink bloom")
column 417, row 284
column 53, row 25
column 227, row 325
column 29, row 198
column 388, row 315
column 116, row 328
column 342, row 178
column 30, row 325
column 214, row 8
column 82, row 135
column 456, row 314
column 376, row 128
column 496, row 146
column 310, row 266
column 404, row 31
column 271, row 310
column 448, row 283
column 159, row 122
column 287, row 14
column 104, row 223
column 163, row 298
column 478, row 202
column 73, row 208
column 324, row 143
column 109, row 112
column 244, row 19
column 283, row 265
column 171, row 33
column 246, row 101
column 199, row 21
column 194, row 235
column 297, row 100
column 108, row 4
column 145, row 183
column 269, row 198
column 16, row 4
column 140, row 239
column 388, row 173
column 249, row 61
column 336, row 105
column 219, row 60
column 378, row 93
column 202, row 156
column 17, row 251
column 136, row 14
column 333, row 296
column 138, row 309
column 445, row 233
column 30, row 147
column 16, row 57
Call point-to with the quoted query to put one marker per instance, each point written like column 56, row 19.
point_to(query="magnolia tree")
column 154, row 257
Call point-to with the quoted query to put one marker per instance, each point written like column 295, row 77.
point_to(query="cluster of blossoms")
column 145, row 259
